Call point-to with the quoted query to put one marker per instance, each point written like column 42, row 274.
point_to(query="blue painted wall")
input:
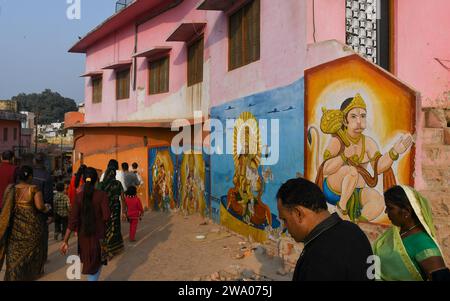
column 285, row 104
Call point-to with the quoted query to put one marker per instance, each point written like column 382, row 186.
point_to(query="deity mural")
column 343, row 174
column 162, row 182
column 360, row 146
column 192, row 188
column 245, row 198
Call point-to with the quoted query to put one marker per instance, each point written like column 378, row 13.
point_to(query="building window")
column 97, row 85
column 195, row 62
column 244, row 35
column 368, row 29
column 123, row 84
column 159, row 76
column 5, row 134
column 15, row 134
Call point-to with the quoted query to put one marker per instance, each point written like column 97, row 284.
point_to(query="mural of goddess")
column 245, row 198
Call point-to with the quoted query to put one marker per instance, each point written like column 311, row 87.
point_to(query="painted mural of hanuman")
column 343, row 174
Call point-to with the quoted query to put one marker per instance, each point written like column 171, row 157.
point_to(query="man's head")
column 125, row 166
column 301, row 203
column 355, row 114
column 7, row 156
column 135, row 166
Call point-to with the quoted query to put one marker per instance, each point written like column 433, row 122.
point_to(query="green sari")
column 400, row 257
column 113, row 239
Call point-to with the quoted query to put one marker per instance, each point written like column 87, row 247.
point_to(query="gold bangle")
column 394, row 156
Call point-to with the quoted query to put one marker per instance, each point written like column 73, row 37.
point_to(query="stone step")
column 433, row 136
column 436, row 178
column 439, row 200
column 436, row 156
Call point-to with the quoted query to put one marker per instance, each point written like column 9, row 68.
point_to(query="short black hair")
column 125, row 166
column 131, row 191
column 301, row 192
column 135, row 165
column 60, row 187
column 7, row 155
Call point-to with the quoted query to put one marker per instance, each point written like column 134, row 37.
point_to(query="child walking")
column 134, row 210
column 61, row 203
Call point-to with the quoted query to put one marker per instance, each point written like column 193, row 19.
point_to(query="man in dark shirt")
column 44, row 181
column 334, row 250
column 7, row 173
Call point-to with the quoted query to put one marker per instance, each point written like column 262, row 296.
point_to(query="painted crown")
column 357, row 102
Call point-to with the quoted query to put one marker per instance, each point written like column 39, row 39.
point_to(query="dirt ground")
column 167, row 248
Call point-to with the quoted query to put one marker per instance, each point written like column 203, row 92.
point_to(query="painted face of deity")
column 356, row 121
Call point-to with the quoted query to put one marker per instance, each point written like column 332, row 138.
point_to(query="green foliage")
column 51, row 105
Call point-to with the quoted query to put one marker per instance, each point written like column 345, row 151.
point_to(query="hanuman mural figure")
column 245, row 197
column 343, row 175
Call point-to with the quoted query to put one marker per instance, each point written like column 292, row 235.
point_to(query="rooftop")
column 12, row 116
column 138, row 12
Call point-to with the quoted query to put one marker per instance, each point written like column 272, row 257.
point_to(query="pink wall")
column 329, row 20
column 283, row 52
column 10, row 143
column 421, row 34
column 283, row 56
column 419, row 43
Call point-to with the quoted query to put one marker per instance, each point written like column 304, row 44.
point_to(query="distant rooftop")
column 12, row 116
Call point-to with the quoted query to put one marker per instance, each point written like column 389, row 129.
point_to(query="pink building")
column 10, row 131
column 160, row 60
column 417, row 50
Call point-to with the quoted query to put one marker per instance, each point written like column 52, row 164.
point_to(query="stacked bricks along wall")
column 436, row 171
column 435, row 166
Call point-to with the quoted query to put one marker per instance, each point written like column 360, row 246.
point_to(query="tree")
column 51, row 105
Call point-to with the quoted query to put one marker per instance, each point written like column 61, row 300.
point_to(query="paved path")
column 167, row 249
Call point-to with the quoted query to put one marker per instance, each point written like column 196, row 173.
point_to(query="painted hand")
column 403, row 144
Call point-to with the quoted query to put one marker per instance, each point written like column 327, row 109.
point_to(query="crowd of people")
column 30, row 201
column 94, row 208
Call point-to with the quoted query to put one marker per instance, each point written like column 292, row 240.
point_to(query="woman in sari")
column 114, row 189
column 409, row 251
column 21, row 229
column 90, row 214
